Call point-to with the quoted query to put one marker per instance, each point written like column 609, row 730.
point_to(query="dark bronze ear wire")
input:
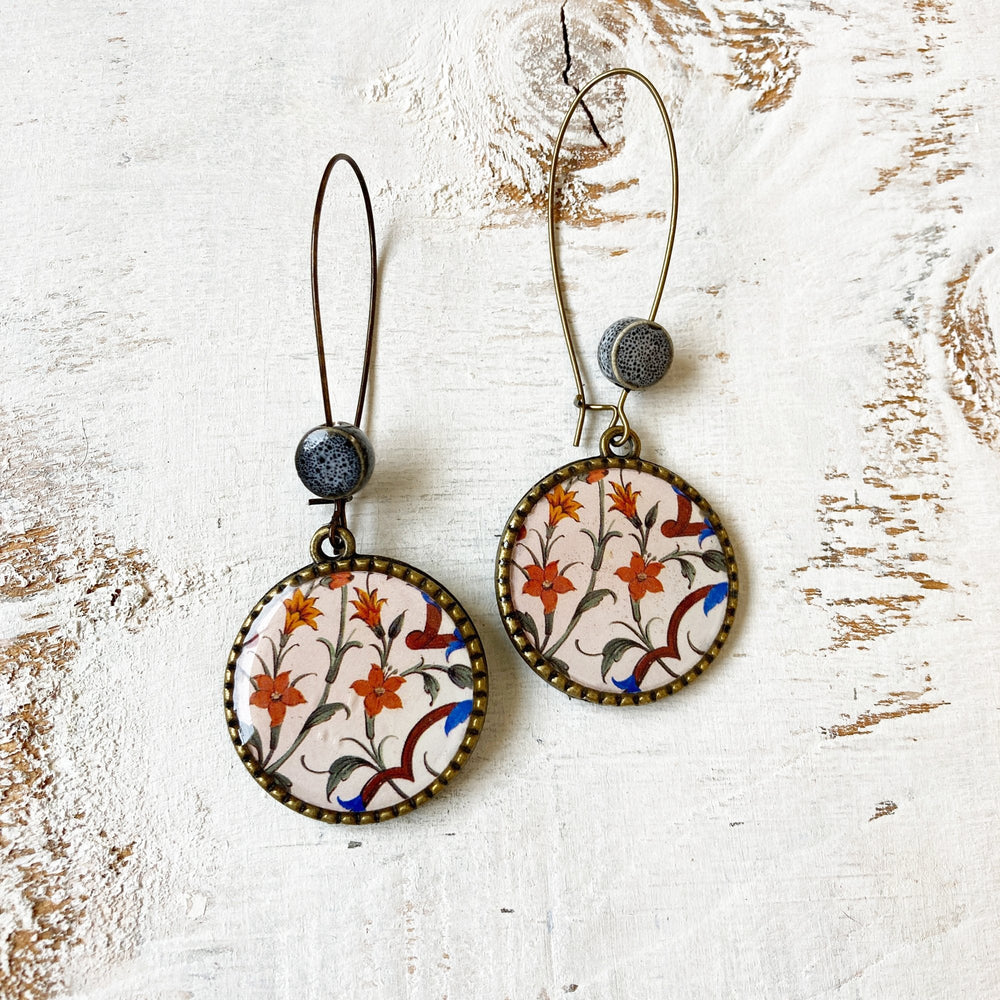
column 337, row 532
column 620, row 433
column 370, row 336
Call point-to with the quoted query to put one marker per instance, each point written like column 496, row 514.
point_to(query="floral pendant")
column 355, row 689
column 616, row 581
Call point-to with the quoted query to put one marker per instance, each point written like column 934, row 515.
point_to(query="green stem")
column 636, row 613
column 367, row 750
column 600, row 508
column 548, row 629
column 275, row 731
column 575, row 620
column 421, row 667
column 303, row 732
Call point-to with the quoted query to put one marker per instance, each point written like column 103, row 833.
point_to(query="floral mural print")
column 355, row 691
column 616, row 579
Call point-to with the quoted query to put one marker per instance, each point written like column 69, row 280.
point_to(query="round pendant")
column 616, row 581
column 356, row 689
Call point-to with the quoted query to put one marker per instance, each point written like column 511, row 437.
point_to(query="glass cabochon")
column 616, row 580
column 356, row 689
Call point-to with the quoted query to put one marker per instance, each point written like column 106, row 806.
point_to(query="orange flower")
column 276, row 694
column 623, row 499
column 546, row 584
column 562, row 504
column 592, row 477
column 300, row 610
column 379, row 691
column 641, row 577
column 369, row 607
column 338, row 580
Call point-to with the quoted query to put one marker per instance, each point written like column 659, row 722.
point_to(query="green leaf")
column 279, row 779
column 337, row 658
column 460, row 675
column 381, row 745
column 599, row 552
column 397, row 625
column 592, row 599
column 255, row 743
column 651, row 515
column 613, row 651
column 559, row 665
column 714, row 560
column 687, row 569
column 325, row 712
column 340, row 769
column 528, row 624
column 431, row 686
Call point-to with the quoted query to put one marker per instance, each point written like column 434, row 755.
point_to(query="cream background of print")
column 678, row 623
column 343, row 735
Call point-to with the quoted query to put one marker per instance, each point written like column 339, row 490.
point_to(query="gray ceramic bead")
column 635, row 353
column 334, row 462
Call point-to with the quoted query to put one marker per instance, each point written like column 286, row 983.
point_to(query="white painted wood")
column 813, row 818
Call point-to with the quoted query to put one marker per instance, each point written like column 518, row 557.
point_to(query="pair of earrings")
column 357, row 686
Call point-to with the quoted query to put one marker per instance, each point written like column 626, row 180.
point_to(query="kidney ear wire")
column 373, row 281
column 619, row 434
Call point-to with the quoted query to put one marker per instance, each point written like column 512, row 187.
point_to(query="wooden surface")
column 816, row 817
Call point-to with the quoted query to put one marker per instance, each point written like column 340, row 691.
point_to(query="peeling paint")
column 884, row 808
column 967, row 338
column 58, row 876
column 897, row 705
column 885, row 535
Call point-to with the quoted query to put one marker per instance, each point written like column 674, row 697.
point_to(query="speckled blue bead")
column 635, row 353
column 334, row 462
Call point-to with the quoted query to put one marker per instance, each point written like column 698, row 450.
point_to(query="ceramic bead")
column 634, row 353
column 335, row 461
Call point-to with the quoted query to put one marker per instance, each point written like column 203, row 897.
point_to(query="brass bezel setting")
column 401, row 571
column 522, row 642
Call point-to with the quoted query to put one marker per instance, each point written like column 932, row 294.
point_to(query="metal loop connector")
column 341, row 544
column 625, row 441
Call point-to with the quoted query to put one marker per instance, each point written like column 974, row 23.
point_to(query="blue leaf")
column 706, row 533
column 458, row 715
column 628, row 685
column 457, row 643
column 716, row 596
column 428, row 599
column 355, row 805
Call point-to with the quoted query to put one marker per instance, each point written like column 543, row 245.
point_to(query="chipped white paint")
column 814, row 817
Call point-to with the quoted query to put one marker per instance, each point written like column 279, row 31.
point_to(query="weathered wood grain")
column 813, row 818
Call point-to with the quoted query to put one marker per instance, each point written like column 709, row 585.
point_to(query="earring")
column 615, row 579
column 357, row 686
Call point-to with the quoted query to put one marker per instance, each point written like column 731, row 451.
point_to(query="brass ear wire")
column 620, row 432
column 337, row 530
column 370, row 337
